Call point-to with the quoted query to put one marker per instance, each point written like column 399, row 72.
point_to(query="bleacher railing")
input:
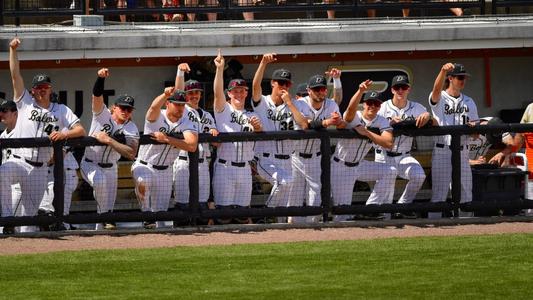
column 230, row 9
column 326, row 207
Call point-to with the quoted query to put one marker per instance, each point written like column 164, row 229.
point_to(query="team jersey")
column 103, row 121
column 233, row 120
column 411, row 111
column 36, row 122
column 204, row 122
column 312, row 146
column 480, row 146
column 274, row 118
column 164, row 154
column 6, row 152
column 354, row 150
column 453, row 111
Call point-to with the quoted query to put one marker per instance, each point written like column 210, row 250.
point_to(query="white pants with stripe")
column 408, row 168
column 157, row 187
column 232, row 185
column 71, row 183
column 181, row 181
column 104, row 184
column 441, row 175
column 277, row 172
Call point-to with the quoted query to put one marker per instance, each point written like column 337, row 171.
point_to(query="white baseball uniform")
column 306, row 168
column 348, row 165
column 480, row 146
column 99, row 164
column 28, row 166
column 153, row 166
column 273, row 157
column 232, row 179
column 399, row 156
column 451, row 111
column 204, row 122
column 16, row 193
column 70, row 167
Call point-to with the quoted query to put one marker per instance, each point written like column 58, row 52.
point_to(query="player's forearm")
column 298, row 117
column 16, row 77
column 188, row 145
column 155, row 108
column 124, row 150
column 179, row 82
column 349, row 114
column 75, row 132
column 337, row 90
column 437, row 86
column 383, row 141
column 257, row 91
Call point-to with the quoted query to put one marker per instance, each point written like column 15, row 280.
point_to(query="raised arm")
column 337, row 84
column 439, row 82
column 155, row 108
column 98, row 90
column 218, row 83
column 179, row 83
column 14, row 67
column 349, row 114
column 302, row 121
column 257, row 91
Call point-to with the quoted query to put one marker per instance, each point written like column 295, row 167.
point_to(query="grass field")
column 472, row 267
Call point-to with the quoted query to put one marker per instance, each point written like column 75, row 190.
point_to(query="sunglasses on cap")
column 460, row 77
column 43, row 86
column 402, row 87
column 283, row 83
column 319, row 89
column 126, row 108
column 373, row 103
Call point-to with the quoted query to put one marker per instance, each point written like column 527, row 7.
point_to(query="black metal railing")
column 326, row 207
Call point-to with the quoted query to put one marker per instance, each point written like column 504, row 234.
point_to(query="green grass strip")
column 467, row 267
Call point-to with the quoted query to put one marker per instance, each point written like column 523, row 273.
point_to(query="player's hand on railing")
column 57, row 136
column 160, row 137
column 214, row 132
column 102, row 137
column 422, row 119
column 256, row 124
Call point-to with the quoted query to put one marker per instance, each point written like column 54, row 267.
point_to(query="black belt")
column 101, row 165
column 394, row 154
column 200, row 160
column 438, row 145
column 153, row 166
column 348, row 164
column 235, row 164
column 32, row 163
column 308, row 155
column 278, row 156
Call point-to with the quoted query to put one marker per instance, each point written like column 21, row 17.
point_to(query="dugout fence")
column 326, row 208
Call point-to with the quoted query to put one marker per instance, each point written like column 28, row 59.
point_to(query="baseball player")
column 232, row 180
column 320, row 112
column 396, row 110
column 37, row 117
column 109, row 127
column 8, row 116
column 205, row 124
column 450, row 107
column 301, row 91
column 276, row 114
column 348, row 164
column 479, row 145
column 152, row 171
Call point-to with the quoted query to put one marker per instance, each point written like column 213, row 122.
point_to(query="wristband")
column 98, row 88
column 316, row 124
column 337, row 84
column 180, row 73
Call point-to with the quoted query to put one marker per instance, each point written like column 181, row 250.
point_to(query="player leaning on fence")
column 37, row 117
column 451, row 107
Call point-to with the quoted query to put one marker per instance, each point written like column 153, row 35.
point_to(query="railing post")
column 456, row 173
column 325, row 176
column 194, row 184
column 59, row 180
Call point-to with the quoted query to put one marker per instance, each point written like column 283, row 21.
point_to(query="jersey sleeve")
column 384, row 124
column 24, row 100
column 70, row 119
column 260, row 106
column 212, row 124
column 188, row 124
column 472, row 113
column 437, row 107
column 224, row 114
column 355, row 122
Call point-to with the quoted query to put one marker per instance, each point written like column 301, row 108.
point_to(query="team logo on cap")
column 284, row 74
column 41, row 78
column 193, row 85
column 401, row 78
column 373, row 94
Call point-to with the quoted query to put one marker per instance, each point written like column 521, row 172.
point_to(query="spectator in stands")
column 208, row 3
column 172, row 17
column 455, row 10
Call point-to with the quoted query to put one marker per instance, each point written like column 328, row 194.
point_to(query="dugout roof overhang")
column 294, row 37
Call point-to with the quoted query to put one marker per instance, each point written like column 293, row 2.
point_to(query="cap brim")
column 372, row 99
column 401, row 83
column 191, row 90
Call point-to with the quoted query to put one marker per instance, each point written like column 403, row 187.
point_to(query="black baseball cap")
column 178, row 97
column 400, row 80
column 193, row 85
column 282, row 74
column 458, row 69
column 317, row 81
column 40, row 79
column 301, row 90
column 372, row 95
column 235, row 83
column 125, row 100
column 8, row 105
